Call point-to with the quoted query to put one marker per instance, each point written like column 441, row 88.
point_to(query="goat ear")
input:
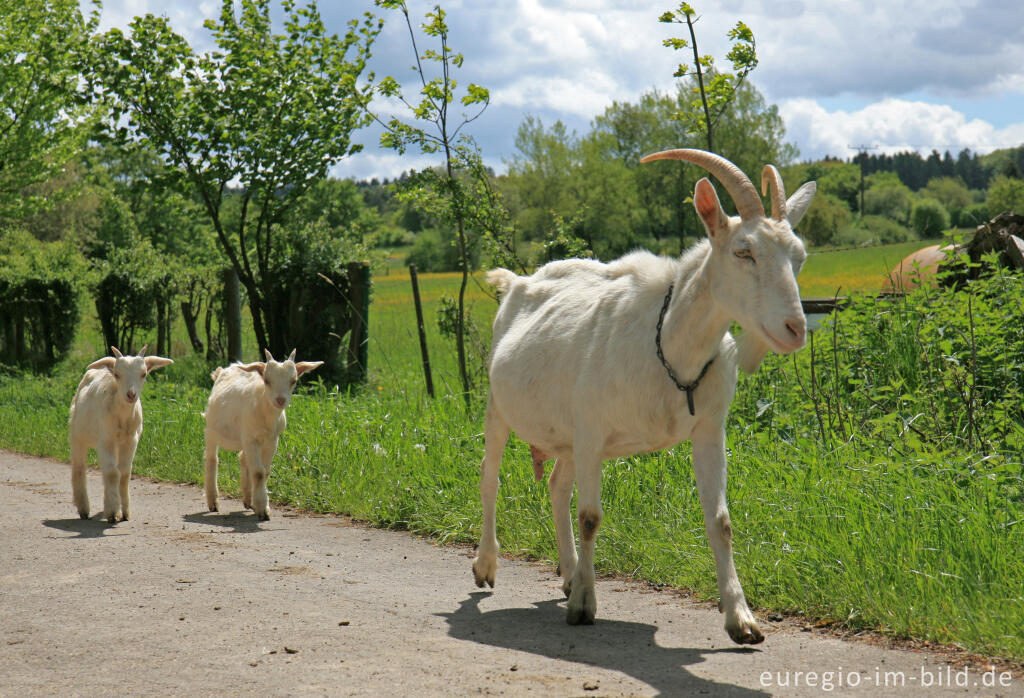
column 304, row 366
column 105, row 362
column 155, row 362
column 709, row 208
column 257, row 366
column 750, row 351
column 797, row 205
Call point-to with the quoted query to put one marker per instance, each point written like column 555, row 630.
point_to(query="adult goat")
column 594, row 361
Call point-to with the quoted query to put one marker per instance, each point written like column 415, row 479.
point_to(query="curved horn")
column 270, row 357
column 771, row 179
column 117, row 354
column 739, row 186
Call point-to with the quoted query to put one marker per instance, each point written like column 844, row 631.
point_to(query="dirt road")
column 179, row 601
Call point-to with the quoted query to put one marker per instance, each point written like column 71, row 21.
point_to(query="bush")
column 929, row 218
column 972, row 216
column 824, row 219
column 39, row 291
column 127, row 287
column 309, row 299
column 436, row 251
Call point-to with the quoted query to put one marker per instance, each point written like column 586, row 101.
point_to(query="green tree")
column 270, row 110
column 951, row 192
column 45, row 115
column 1005, row 194
column 709, row 98
column 446, row 193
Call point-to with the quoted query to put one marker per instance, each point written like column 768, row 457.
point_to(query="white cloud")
column 891, row 125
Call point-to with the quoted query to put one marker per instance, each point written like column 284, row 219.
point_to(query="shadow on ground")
column 95, row 527
column 237, row 521
column 615, row 645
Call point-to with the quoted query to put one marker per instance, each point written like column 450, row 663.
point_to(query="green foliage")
column 826, row 216
column 309, row 288
column 873, row 230
column 563, row 243
column 888, row 197
column 129, row 282
column 951, row 192
column 252, row 111
column 972, row 216
column 929, row 218
column 1005, row 194
column 841, row 180
column 44, row 115
column 714, row 89
column 461, row 195
column 40, row 285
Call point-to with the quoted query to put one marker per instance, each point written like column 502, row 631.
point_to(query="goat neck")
column 694, row 324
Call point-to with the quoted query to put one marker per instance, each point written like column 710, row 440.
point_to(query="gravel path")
column 179, row 601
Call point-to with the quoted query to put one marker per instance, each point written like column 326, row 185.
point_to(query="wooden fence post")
column 422, row 332
column 359, row 336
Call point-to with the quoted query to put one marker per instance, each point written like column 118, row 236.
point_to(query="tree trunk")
column 190, row 317
column 161, row 327
column 233, row 305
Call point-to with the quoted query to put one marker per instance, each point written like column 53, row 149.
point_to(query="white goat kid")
column 106, row 414
column 246, row 414
column 588, row 362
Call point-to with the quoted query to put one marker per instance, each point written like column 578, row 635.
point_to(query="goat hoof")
column 579, row 616
column 567, row 588
column 747, row 637
column 214, row 507
column 582, row 606
column 746, row 634
column 483, row 572
column 83, row 515
column 112, row 519
column 263, row 517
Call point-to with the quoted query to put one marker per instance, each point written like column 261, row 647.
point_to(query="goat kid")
column 588, row 362
column 246, row 414
column 106, row 414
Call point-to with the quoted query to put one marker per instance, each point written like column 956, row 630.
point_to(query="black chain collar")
column 687, row 388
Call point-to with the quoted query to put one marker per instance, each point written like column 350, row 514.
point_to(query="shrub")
column 972, row 216
column 309, row 283
column 127, row 287
column 436, row 250
column 824, row 219
column 39, row 291
column 929, row 218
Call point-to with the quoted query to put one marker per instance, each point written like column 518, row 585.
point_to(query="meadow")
column 875, row 477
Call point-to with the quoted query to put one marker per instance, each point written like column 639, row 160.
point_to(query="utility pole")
column 862, row 151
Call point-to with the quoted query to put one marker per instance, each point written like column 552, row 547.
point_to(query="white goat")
column 589, row 361
column 246, row 414
column 106, row 414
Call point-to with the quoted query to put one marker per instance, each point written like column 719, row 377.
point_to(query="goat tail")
column 501, row 279
column 216, row 373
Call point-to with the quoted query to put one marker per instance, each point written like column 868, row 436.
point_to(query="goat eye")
column 744, row 254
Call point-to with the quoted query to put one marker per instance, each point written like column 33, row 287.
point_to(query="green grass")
column 828, row 273
column 868, row 529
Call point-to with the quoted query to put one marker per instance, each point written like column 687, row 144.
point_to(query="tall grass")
column 874, row 482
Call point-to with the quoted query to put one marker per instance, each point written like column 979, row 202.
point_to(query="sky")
column 891, row 76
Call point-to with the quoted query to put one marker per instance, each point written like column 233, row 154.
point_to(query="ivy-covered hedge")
column 39, row 289
column 311, row 305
